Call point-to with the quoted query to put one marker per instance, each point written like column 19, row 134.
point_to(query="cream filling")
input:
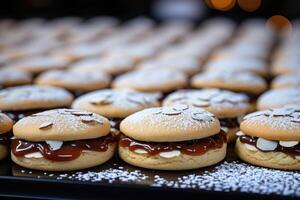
column 33, row 155
column 168, row 154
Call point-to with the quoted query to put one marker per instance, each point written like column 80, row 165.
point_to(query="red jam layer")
column 192, row 147
column 70, row 150
column 293, row 151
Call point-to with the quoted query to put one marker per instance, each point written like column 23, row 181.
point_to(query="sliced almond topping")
column 201, row 117
column 170, row 111
column 90, row 120
column 80, row 113
column 46, row 125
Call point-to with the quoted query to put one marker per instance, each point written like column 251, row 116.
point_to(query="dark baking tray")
column 230, row 179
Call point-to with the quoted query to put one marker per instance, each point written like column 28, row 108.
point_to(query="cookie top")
column 116, row 103
column 34, row 97
column 6, row 123
column 230, row 80
column 170, row 124
column 187, row 65
column 285, row 66
column 277, row 98
column 286, row 81
column 274, row 124
column 11, row 77
column 37, row 64
column 112, row 65
column 61, row 125
column 83, row 81
column 256, row 66
column 222, row 103
column 151, row 80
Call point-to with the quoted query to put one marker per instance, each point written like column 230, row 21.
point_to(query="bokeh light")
column 279, row 22
column 222, row 5
column 249, row 5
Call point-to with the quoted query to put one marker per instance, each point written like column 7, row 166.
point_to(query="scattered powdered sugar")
column 228, row 176
column 110, row 175
column 236, row 176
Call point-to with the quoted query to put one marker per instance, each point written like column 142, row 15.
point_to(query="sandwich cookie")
column 245, row 82
column 76, row 82
column 37, row 64
column 62, row 140
column 172, row 138
column 187, row 65
column 112, row 65
column 270, row 138
column 278, row 98
column 227, row 106
column 116, row 104
column 10, row 77
column 152, row 80
column 286, row 81
column 285, row 66
column 18, row 102
column 256, row 66
column 6, row 125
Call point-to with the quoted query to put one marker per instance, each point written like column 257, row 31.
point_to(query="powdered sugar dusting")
column 279, row 97
column 214, row 98
column 148, row 78
column 120, row 98
column 176, row 118
column 229, row 77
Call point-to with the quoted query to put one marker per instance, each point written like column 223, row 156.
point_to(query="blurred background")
column 196, row 10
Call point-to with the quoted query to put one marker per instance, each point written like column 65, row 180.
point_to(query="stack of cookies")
column 171, row 96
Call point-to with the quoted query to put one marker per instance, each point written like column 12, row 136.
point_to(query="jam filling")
column 192, row 147
column 70, row 150
column 230, row 122
column 293, row 151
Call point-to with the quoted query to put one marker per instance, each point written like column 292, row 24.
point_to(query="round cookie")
column 116, row 103
column 6, row 125
column 172, row 138
column 33, row 97
column 112, row 65
column 277, row 98
column 229, row 107
column 271, row 138
column 10, row 77
column 37, row 64
column 62, row 140
column 286, row 81
column 187, row 65
column 245, row 82
column 256, row 66
column 286, row 66
column 77, row 82
column 151, row 80
column 20, row 101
